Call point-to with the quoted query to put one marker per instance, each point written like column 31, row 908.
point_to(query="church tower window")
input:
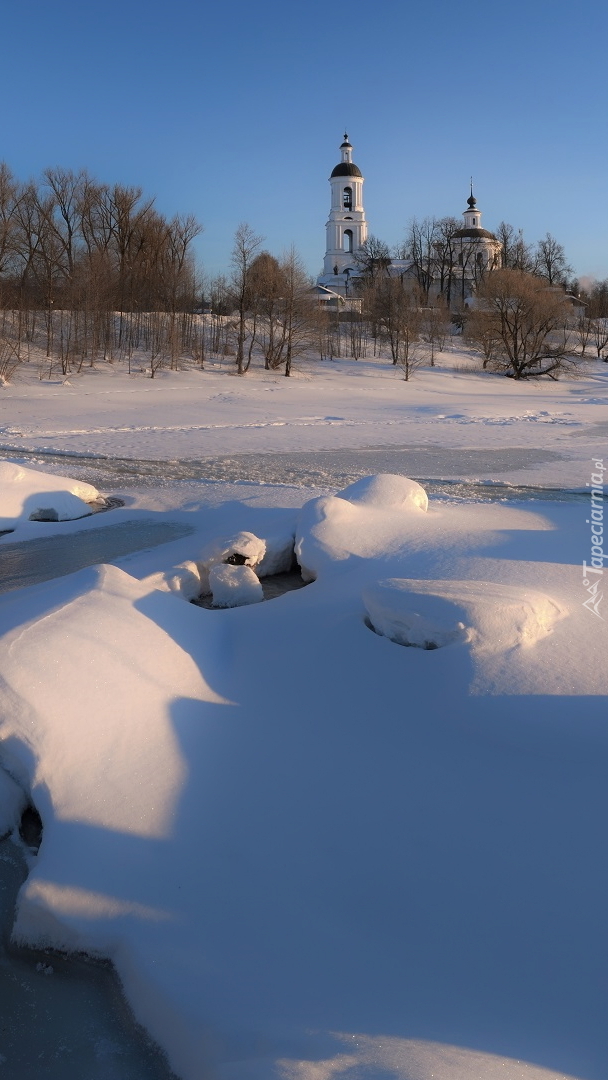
column 348, row 240
column 348, row 198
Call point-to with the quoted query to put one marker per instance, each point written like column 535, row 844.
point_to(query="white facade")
column 477, row 249
column 346, row 228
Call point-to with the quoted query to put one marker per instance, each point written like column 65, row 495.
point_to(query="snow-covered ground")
column 312, row 851
column 533, row 432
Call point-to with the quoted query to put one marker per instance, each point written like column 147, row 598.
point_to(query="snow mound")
column 391, row 610
column 242, row 546
column 431, row 614
column 368, row 519
column 234, row 586
column 57, row 506
column 183, row 579
column 240, row 549
column 386, row 491
column 12, row 803
column 279, row 555
column 26, row 494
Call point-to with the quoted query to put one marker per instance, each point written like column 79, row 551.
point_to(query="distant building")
column 475, row 250
column 346, row 229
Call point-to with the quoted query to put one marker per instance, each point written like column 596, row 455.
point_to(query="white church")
column 476, row 249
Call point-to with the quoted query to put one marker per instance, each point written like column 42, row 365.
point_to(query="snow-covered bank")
column 311, row 851
column 29, row 495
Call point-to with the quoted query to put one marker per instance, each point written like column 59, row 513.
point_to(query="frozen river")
column 53, row 556
column 63, row 1018
column 459, row 473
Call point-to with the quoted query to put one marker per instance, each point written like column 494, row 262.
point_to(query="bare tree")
column 584, row 330
column 515, row 253
column 420, row 247
column 446, row 256
column 600, row 335
column 398, row 316
column 266, row 287
column 373, row 259
column 9, row 197
column 528, row 322
column 551, row 262
column 435, row 328
column 297, row 315
column 598, row 300
column 246, row 247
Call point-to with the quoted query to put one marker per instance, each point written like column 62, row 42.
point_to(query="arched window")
column 348, row 240
column 460, row 259
column 480, row 258
column 347, row 198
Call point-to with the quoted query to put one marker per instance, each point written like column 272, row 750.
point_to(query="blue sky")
column 236, row 112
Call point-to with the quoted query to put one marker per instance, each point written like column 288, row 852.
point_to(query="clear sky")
column 235, row 111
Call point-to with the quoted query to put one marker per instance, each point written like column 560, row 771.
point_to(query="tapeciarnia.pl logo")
column 593, row 571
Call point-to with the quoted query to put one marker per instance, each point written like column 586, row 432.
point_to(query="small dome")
column 346, row 145
column 346, row 168
column 472, row 201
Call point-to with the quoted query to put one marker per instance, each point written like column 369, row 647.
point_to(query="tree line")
column 91, row 271
column 79, row 257
column 442, row 266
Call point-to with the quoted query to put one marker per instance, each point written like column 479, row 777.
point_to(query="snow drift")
column 290, row 835
column 26, row 494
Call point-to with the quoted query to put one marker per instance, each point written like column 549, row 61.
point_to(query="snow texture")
column 308, row 852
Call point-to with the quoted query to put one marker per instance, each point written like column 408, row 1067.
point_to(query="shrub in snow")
column 386, row 492
column 234, row 586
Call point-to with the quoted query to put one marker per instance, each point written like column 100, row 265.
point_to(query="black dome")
column 346, row 168
column 475, row 234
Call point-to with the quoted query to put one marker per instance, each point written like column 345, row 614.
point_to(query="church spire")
column 346, row 229
column 472, row 216
column 347, row 150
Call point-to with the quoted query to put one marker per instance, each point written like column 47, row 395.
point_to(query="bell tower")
column 346, row 229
